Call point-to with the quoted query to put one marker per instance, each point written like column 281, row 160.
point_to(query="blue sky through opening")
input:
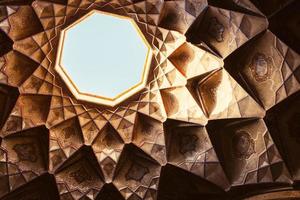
column 104, row 55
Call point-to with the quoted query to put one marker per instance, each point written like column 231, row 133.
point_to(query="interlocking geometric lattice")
column 219, row 118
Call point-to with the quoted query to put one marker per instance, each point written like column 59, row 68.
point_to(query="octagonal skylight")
column 103, row 58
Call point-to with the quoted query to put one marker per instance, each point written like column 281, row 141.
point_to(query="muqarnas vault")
column 217, row 116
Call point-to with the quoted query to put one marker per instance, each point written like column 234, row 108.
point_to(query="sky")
column 104, row 55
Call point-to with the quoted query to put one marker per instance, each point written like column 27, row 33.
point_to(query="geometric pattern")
column 218, row 117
